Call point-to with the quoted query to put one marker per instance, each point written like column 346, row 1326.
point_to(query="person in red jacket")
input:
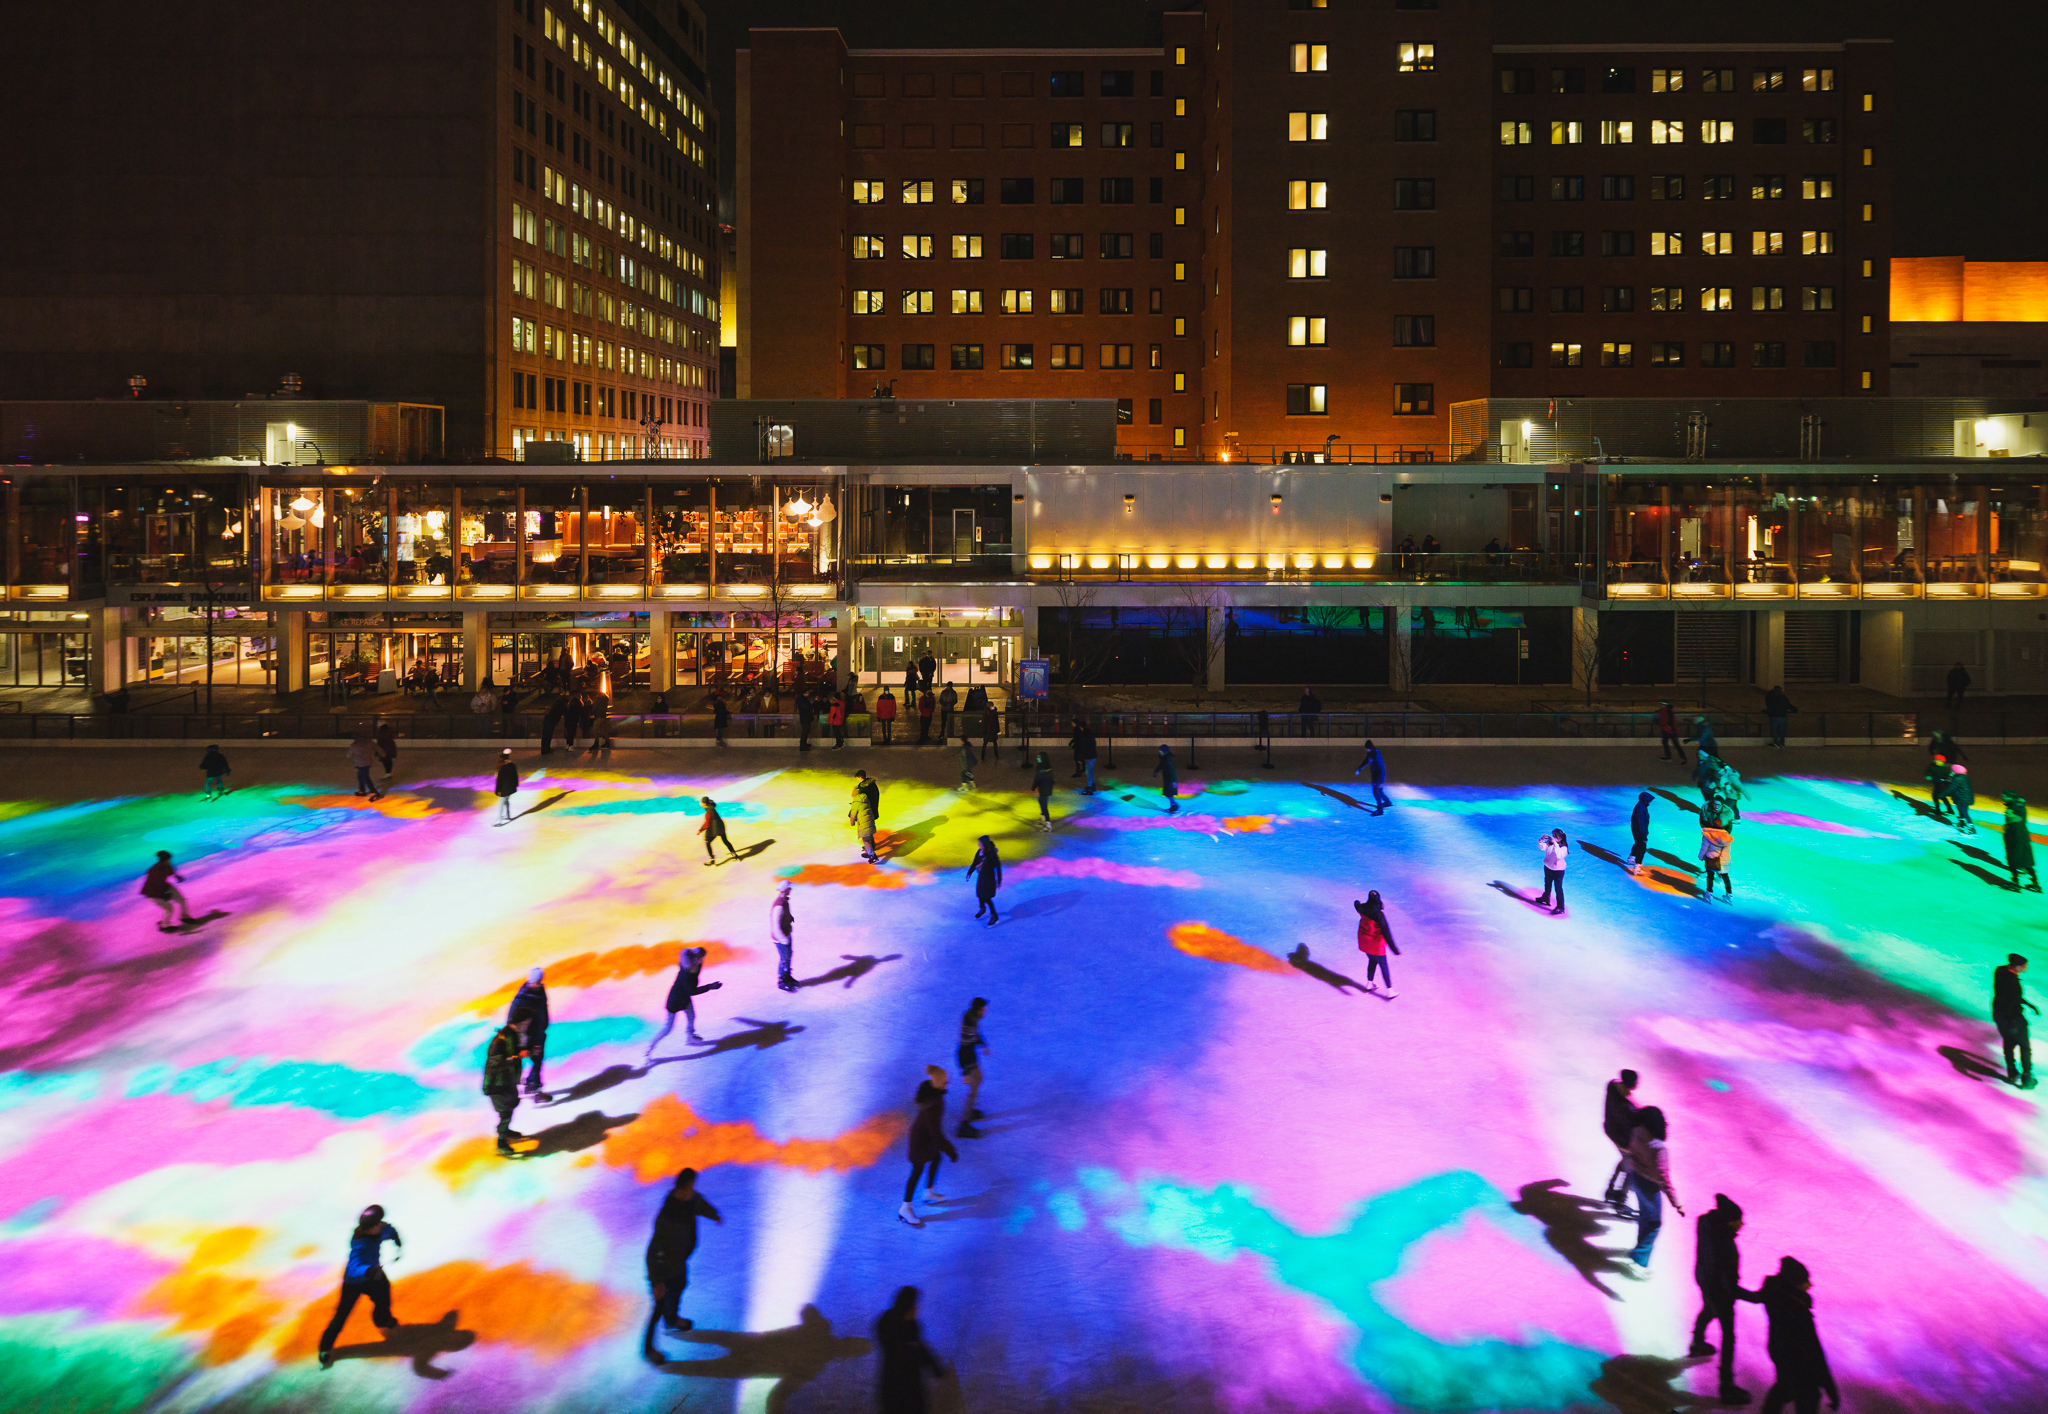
column 885, row 713
column 159, row 890
column 1667, row 732
column 1374, row 939
column 926, row 706
column 835, row 718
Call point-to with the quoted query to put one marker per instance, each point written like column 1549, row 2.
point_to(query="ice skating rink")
column 1212, row 1178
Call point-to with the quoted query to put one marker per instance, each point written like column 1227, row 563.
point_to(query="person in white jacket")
column 1556, row 851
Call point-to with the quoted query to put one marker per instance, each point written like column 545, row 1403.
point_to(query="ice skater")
column 2009, row 1008
column 972, row 1044
column 1168, row 772
column 387, row 749
column 1939, row 774
column 1778, row 709
column 1041, row 782
column 987, row 870
column 1667, row 733
column 968, row 759
column 215, row 766
column 682, row 997
column 363, row 1275
column 1963, row 795
column 159, row 890
column 1799, row 1365
column 861, row 815
column 501, row 1083
column 721, row 717
column 529, row 1012
column 1377, row 764
column 782, row 932
column 1375, row 936
column 1717, row 844
column 1083, row 742
column 1557, row 852
column 506, row 786
column 1618, row 1110
column 1649, row 1175
column 713, row 831
column 669, row 1250
column 927, row 1142
column 1717, row 1268
column 905, row 1357
column 1639, row 831
column 2019, row 844
column 362, row 755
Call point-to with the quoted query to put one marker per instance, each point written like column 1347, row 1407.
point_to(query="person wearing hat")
column 1169, row 778
column 782, row 932
column 2019, row 843
column 1717, row 1267
column 861, row 815
column 1799, row 1363
column 507, row 786
column 363, row 1275
column 530, row 1014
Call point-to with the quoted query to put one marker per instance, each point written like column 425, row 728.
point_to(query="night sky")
column 1968, row 130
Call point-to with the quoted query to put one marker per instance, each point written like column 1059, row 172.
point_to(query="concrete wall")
column 1325, row 510
column 1463, row 517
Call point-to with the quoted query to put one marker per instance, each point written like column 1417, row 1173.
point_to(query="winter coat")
column 1716, row 1265
column 675, row 1235
column 387, row 742
column 1667, row 721
column 501, row 1063
column 885, row 706
column 1083, row 742
column 905, row 1358
column 1555, row 853
column 1960, row 790
column 926, row 705
column 686, row 986
column 1639, row 820
column 2008, row 996
column 1777, row 704
column 713, row 827
column 2019, row 842
column 1649, row 1158
column 835, row 715
column 508, row 778
column 1374, row 936
column 213, row 763
column 530, row 1010
column 928, row 1131
column 987, row 869
column 1041, row 781
column 1376, row 765
column 720, row 713
column 1168, row 772
column 361, row 753
column 1794, row 1341
column 1618, row 1115
column 1716, row 844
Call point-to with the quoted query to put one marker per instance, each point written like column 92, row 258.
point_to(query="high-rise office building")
column 506, row 210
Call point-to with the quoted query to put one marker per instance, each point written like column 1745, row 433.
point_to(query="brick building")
column 1315, row 224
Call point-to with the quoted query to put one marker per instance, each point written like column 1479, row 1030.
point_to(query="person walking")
column 927, row 668
column 782, row 933
column 861, row 815
column 363, row 1275
column 987, row 869
column 1557, row 852
column 159, row 890
column 949, row 699
column 1639, row 832
column 669, row 1249
column 2019, row 843
column 1377, row 765
column 1083, row 742
column 1779, row 709
column 214, row 765
column 1618, row 1110
column 529, row 1012
column 968, row 760
column 1799, row 1365
column 506, row 786
column 1958, row 684
column 905, row 1357
column 926, row 706
column 1649, row 1169
column 682, row 997
column 1041, row 782
column 1168, row 772
column 501, row 1083
column 1309, row 710
column 910, row 685
column 713, row 831
column 549, row 722
column 2009, row 1008
column 928, row 1142
column 1717, row 843
column 968, row 1055
column 1963, row 795
column 1375, row 936
column 721, row 717
column 991, row 731
column 885, row 713
column 363, row 755
column 1717, row 1268
column 1938, row 776
column 1667, row 733
column 387, row 749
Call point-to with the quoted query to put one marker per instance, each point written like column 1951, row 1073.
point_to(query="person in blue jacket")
column 363, row 1275
column 1377, row 764
column 529, row 1012
column 1639, row 827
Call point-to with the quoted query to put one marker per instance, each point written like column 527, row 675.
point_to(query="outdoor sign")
column 1034, row 679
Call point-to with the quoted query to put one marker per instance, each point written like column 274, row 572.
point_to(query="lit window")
column 1305, row 332
column 1567, row 355
column 917, row 302
column 1016, row 302
column 1180, row 382
column 1764, row 80
column 869, row 248
column 1016, row 356
column 870, row 356
column 1310, row 58
column 1308, row 399
column 1766, row 297
column 1667, row 243
column 1516, row 134
column 1617, row 355
column 868, row 301
column 967, row 301
column 1308, row 196
column 1766, row 242
column 1308, row 127
column 1822, row 81
column 916, row 193
column 967, row 191
column 1617, row 131
column 1180, row 434
column 917, row 247
column 1821, row 297
column 1417, row 58
column 1716, row 130
column 1065, row 356
column 1663, row 132
column 865, row 192
column 967, row 247
column 1818, row 188
column 1306, row 264
column 1816, row 242
column 1716, row 298
column 1565, row 131
column 1717, row 242
column 1667, row 80
column 1414, row 399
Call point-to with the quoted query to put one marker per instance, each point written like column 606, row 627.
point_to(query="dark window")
column 1155, row 190
column 1767, row 186
column 1118, row 191
column 1415, row 4
column 1018, row 191
column 1567, row 299
column 1157, row 303
column 1159, row 134
column 1116, row 245
column 1415, row 125
column 1158, row 83
column 1123, row 411
column 1156, row 245
column 1516, row 299
column 1414, row 262
column 1567, row 242
column 1414, row 331
column 872, row 356
column 1618, row 188
column 1119, row 83
column 1414, row 194
column 1016, row 245
column 1667, row 189
column 1068, row 83
column 1617, row 80
column 1065, row 191
column 1517, row 80
column 918, row 355
column 1414, row 399
column 1155, row 411
column 1567, row 188
column 1307, row 399
column 966, row 356
column 1818, row 129
column 1667, row 355
column 1517, row 355
column 1517, row 188
column 1113, row 301
column 1514, row 243
column 1820, row 353
column 1016, row 356
column 1717, row 186
column 1617, row 299
column 1717, row 355
column 967, row 191
column 1767, row 355
column 1567, row 80
column 1617, row 242
column 1067, row 246
column 1767, row 130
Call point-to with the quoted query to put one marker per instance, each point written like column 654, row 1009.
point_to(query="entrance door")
column 963, row 534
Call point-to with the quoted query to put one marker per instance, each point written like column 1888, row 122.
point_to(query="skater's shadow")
column 1985, row 874
column 901, row 844
column 757, row 847
column 539, row 806
column 604, row 1080
column 1299, row 959
column 998, row 1200
column 1662, row 880
column 1533, row 900
column 192, row 924
column 419, row 1344
column 1604, row 856
column 586, row 1131
column 1570, row 1223
column 851, row 971
column 1675, row 862
column 1970, row 1065
column 792, row 1357
column 1641, row 1384
column 1920, row 807
column 764, row 1035
column 1049, row 903
column 1681, row 802
column 1339, row 795
column 1023, row 1117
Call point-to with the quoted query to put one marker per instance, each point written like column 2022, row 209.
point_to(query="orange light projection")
column 1947, row 289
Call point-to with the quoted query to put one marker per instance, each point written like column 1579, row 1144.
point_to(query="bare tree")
column 1586, row 657
column 1196, row 616
column 1083, row 654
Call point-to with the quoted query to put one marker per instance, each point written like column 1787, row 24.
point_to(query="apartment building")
column 501, row 209
column 1342, row 221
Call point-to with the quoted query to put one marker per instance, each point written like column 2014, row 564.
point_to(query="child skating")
column 1375, row 937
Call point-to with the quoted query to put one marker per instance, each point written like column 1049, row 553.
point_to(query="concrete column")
column 476, row 648
column 1884, row 651
column 106, row 665
column 291, row 650
column 661, row 651
column 1400, row 650
column 1217, row 624
column 1770, row 648
column 1585, row 649
column 844, row 649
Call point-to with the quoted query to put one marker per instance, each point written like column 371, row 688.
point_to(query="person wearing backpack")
column 1375, row 937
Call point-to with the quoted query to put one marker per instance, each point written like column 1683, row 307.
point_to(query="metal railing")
column 1286, row 453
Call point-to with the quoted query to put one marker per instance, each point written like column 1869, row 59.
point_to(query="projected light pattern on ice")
column 1216, row 1173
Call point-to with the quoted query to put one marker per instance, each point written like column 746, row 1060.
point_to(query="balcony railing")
column 1286, row 453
